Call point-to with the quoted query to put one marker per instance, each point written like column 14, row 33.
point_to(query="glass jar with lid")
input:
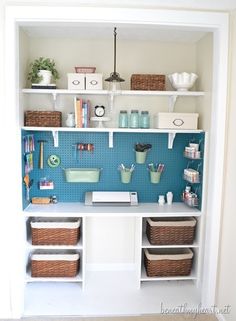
column 144, row 119
column 134, row 119
column 123, row 119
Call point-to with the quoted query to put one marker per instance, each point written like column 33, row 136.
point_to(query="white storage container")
column 93, row 81
column 176, row 121
column 76, row 81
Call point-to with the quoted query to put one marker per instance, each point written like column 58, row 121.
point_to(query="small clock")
column 99, row 111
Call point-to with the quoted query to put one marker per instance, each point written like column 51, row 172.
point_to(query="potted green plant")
column 42, row 71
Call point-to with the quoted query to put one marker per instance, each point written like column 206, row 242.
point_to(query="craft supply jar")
column 125, row 176
column 155, row 177
column 144, row 120
column 70, row 120
column 134, row 119
column 140, row 157
column 123, row 119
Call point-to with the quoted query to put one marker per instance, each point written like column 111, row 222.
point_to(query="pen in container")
column 160, row 168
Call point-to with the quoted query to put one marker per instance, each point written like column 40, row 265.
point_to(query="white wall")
column 5, row 305
column 227, row 261
column 204, row 71
column 132, row 57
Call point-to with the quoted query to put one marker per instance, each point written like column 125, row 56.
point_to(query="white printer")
column 111, row 198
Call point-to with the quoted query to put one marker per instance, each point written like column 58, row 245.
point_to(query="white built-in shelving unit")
column 130, row 291
column 139, row 213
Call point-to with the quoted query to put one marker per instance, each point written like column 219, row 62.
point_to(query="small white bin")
column 176, row 121
column 93, row 81
column 76, row 81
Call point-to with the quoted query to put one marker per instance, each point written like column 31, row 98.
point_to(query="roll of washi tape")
column 54, row 161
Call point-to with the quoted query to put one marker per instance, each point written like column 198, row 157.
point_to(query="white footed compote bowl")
column 182, row 81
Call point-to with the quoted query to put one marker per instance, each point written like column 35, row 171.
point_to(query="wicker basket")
column 168, row 262
column 85, row 70
column 147, row 82
column 163, row 231
column 43, row 118
column 55, row 265
column 55, row 232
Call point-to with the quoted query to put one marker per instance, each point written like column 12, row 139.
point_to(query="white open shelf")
column 77, row 209
column 111, row 131
column 115, row 130
column 117, row 93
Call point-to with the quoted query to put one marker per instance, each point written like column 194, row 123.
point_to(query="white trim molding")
column 214, row 22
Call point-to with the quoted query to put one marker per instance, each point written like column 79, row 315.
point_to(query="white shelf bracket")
column 110, row 139
column 172, row 102
column 54, row 96
column 171, row 138
column 55, row 138
column 111, row 103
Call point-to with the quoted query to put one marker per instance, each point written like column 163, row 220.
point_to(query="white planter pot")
column 47, row 77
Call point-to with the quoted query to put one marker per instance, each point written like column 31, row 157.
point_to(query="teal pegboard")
column 109, row 159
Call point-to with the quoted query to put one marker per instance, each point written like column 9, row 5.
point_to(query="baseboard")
column 220, row 317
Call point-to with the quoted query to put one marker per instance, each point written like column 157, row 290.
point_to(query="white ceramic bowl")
column 182, row 81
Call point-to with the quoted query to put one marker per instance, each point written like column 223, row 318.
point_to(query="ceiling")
column 223, row 5
column 105, row 31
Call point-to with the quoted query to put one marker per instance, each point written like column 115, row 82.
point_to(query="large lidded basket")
column 148, row 82
column 168, row 262
column 55, row 231
column 171, row 231
column 55, row 264
column 43, row 118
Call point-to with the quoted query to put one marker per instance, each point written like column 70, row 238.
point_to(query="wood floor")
column 176, row 317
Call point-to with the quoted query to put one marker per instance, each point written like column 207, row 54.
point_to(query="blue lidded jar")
column 134, row 119
column 144, row 119
column 123, row 119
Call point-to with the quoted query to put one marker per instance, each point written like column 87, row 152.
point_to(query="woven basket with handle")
column 43, row 118
column 147, row 82
column 168, row 262
column 171, row 231
column 52, row 265
column 46, row 232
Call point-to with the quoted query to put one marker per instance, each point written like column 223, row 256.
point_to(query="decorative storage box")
column 43, row 118
column 148, row 82
column 76, row 81
column 170, row 231
column 176, row 121
column 168, row 262
column 82, row 175
column 55, row 231
column 93, row 81
column 55, row 264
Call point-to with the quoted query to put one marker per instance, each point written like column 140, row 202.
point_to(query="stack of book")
column 82, row 112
